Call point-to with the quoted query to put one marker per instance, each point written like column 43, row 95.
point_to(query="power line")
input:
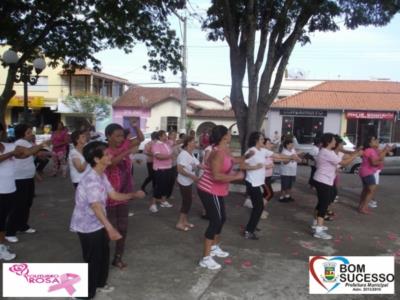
column 246, row 87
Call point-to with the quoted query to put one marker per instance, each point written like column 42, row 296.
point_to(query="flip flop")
column 364, row 212
column 182, row 228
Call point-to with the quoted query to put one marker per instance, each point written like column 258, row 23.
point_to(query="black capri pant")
column 96, row 252
column 268, row 191
column 325, row 195
column 215, row 211
column 186, row 193
column 18, row 219
column 162, row 183
column 7, row 205
column 256, row 196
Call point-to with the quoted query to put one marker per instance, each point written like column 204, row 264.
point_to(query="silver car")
column 391, row 164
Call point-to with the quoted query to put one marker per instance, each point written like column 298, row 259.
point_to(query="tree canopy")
column 72, row 31
column 95, row 105
column 262, row 35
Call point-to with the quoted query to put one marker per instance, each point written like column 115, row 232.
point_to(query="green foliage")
column 278, row 25
column 74, row 30
column 95, row 105
column 189, row 125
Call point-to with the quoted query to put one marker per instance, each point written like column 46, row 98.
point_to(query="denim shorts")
column 369, row 180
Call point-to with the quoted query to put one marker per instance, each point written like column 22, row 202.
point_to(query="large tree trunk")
column 7, row 94
column 240, row 110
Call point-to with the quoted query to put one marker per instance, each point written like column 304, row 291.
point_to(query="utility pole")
column 184, row 74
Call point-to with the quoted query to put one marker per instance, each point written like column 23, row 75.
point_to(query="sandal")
column 330, row 213
column 364, row 211
column 184, row 228
column 328, row 218
column 117, row 262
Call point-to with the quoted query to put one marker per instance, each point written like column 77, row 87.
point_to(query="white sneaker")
column 209, row 263
column 264, row 215
column 12, row 239
column 131, row 213
column 153, row 208
column 248, row 203
column 218, row 252
column 166, row 204
column 321, row 234
column 336, row 199
column 30, row 230
column 5, row 254
column 373, row 204
column 105, row 289
column 323, row 228
column 315, row 225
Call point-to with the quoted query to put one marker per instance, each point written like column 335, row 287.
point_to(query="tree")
column 95, row 105
column 278, row 25
column 72, row 31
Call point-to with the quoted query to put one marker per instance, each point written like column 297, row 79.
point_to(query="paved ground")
column 163, row 261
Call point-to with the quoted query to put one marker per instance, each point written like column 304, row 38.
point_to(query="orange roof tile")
column 140, row 96
column 346, row 95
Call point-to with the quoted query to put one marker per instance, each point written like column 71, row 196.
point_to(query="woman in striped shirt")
column 213, row 186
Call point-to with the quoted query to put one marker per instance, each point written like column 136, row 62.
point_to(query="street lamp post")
column 24, row 74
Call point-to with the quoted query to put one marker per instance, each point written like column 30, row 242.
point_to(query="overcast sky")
column 365, row 53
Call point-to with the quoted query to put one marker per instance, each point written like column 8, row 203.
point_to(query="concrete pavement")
column 162, row 262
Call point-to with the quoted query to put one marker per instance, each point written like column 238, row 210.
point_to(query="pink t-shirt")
column 327, row 162
column 161, row 148
column 208, row 184
column 57, row 138
column 367, row 168
column 269, row 171
column 120, row 175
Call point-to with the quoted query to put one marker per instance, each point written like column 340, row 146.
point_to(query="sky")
column 366, row 53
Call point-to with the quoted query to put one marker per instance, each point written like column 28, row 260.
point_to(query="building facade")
column 160, row 109
column 356, row 109
column 45, row 99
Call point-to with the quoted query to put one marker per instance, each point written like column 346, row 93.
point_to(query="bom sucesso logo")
column 351, row 274
column 45, row 280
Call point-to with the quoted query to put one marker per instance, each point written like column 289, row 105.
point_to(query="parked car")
column 391, row 164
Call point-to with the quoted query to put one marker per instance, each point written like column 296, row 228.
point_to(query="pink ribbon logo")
column 20, row 269
column 67, row 282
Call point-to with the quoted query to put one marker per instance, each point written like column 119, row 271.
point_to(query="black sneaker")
column 250, row 236
column 204, row 217
column 284, row 200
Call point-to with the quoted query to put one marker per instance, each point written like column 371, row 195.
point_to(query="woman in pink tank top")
column 212, row 187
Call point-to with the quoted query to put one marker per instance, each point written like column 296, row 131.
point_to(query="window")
column 172, row 124
column 42, row 85
column 385, row 131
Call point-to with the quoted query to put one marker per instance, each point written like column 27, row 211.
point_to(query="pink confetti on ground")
column 397, row 253
column 350, row 237
column 392, row 236
column 228, row 261
column 246, row 264
column 337, row 241
column 295, row 253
